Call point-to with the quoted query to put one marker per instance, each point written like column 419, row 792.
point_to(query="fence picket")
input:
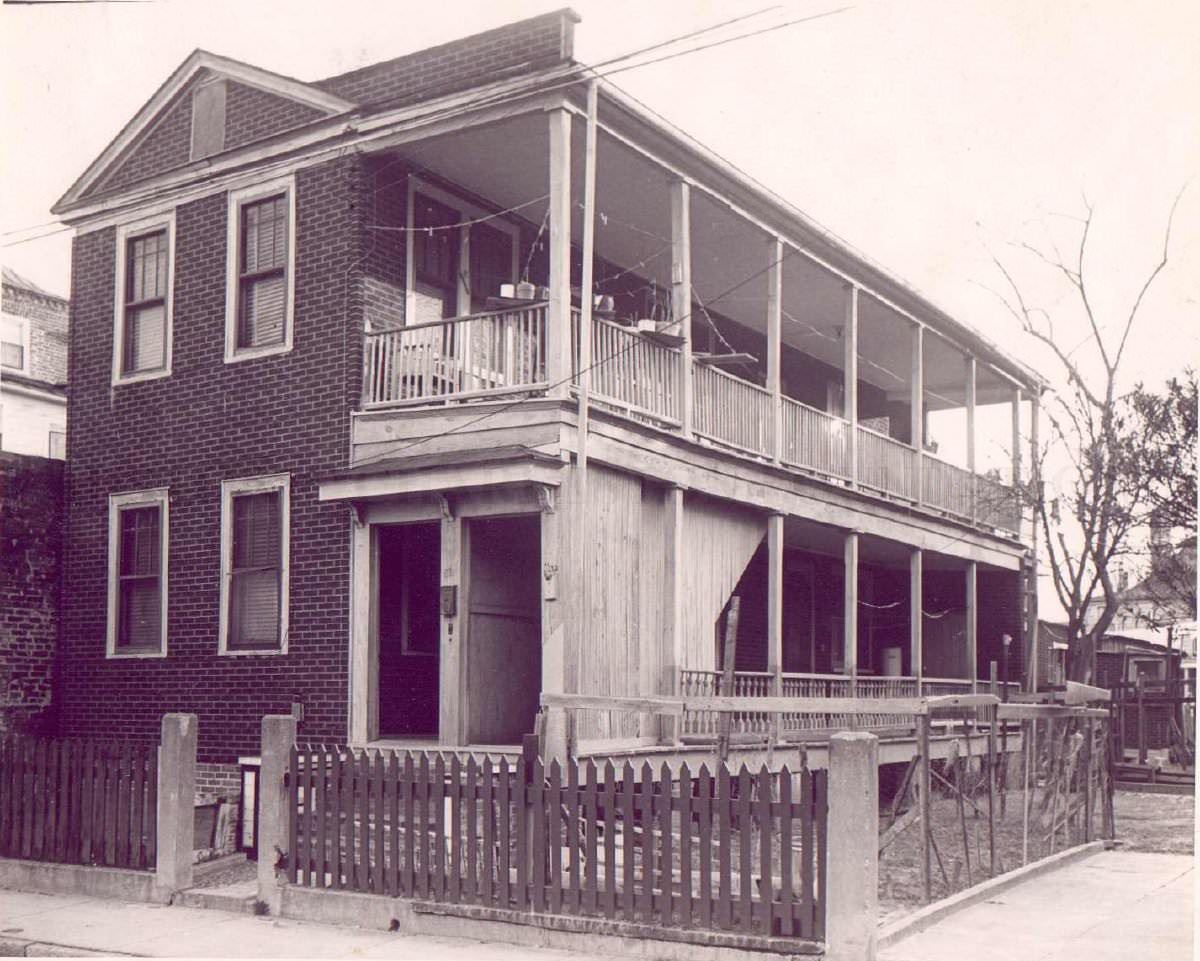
column 574, row 847
column 86, row 803
column 124, row 769
column 421, row 826
column 646, row 902
column 391, row 792
column 724, row 852
column 666, row 864
column 786, row 899
column 378, row 824
column 591, row 820
column 362, row 796
column 456, row 854
column 807, row 853
column 137, row 792
column 685, row 846
column 745, row 849
column 408, row 791
column 765, row 834
column 487, row 890
column 521, row 808
column 706, row 852
column 610, row 840
column 503, row 807
column 439, row 820
column 470, row 888
column 322, row 859
column 820, row 805
column 39, row 800
column 111, row 784
column 295, row 787
column 554, row 812
column 51, row 839
column 337, row 859
column 629, row 849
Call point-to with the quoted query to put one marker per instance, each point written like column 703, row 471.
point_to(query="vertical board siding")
column 726, row 537
column 739, row 851
column 79, row 802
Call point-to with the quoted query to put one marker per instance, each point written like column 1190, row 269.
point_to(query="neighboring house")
column 33, row 369
column 328, row 452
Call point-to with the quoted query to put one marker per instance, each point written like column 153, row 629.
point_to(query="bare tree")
column 1090, row 511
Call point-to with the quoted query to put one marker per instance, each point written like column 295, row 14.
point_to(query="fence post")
column 278, row 736
column 853, row 869
column 176, row 803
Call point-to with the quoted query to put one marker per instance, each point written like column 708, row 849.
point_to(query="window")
column 142, row 332
column 261, row 281
column 254, row 565
column 14, row 343
column 137, row 569
column 58, row 444
column 435, row 251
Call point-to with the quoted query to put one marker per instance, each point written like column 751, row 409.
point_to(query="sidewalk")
column 118, row 927
column 1117, row 905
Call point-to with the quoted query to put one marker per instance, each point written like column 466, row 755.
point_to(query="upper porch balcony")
column 715, row 312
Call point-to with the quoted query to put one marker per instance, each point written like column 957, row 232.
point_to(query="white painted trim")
column 155, row 497
column 256, row 485
column 235, row 200
column 125, row 233
column 199, row 60
column 25, row 390
column 438, row 479
column 467, row 211
column 24, row 331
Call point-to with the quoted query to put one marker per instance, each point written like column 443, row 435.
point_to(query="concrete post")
column 853, row 871
column 176, row 802
column 278, row 736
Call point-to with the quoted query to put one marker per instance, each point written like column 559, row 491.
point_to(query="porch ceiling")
column 801, row 534
column 507, row 164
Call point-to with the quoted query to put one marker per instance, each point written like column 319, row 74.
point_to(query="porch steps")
column 232, row 886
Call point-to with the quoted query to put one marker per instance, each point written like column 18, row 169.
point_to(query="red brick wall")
column 166, row 146
column 47, row 331
column 252, row 114
column 31, row 510
column 529, row 45
column 210, row 421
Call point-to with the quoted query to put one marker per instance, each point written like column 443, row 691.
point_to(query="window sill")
column 255, row 652
column 135, row 655
column 253, row 353
column 122, row 379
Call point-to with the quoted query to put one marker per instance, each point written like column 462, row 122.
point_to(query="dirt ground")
column 1163, row 823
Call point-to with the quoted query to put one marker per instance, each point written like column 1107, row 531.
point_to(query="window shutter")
column 145, row 340
column 254, row 590
column 208, row 120
column 264, row 310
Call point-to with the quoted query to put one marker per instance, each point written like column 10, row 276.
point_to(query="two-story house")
column 33, row 369
column 410, row 395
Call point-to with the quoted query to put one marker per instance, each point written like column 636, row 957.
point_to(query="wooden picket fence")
column 79, row 801
column 742, row 852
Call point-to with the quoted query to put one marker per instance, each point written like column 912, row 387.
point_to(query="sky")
column 933, row 135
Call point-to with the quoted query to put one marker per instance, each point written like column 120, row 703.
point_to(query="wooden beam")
column 917, row 408
column 775, row 601
column 558, row 320
column 667, row 706
column 673, row 581
column 452, row 705
column 850, row 376
column 587, row 293
column 916, row 594
column 775, row 341
column 972, row 623
column 850, row 608
column 681, row 290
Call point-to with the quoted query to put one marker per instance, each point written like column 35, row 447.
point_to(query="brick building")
column 33, row 369
column 328, row 452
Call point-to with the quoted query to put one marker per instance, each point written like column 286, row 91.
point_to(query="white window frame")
column 125, row 232
column 25, row 329
column 468, row 211
column 256, row 485
column 156, row 497
column 236, row 200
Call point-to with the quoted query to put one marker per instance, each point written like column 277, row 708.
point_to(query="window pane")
column 139, row 547
column 254, row 609
column 145, row 338
column 146, row 270
column 256, row 530
column 141, row 614
column 264, row 234
column 12, row 355
column 263, row 311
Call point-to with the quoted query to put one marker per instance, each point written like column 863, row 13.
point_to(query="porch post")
column 364, row 657
column 558, row 318
column 775, row 342
column 1031, row 612
column 850, row 376
column 1016, row 455
column 916, row 600
column 850, row 609
column 972, row 625
column 557, row 732
column 452, row 706
column 917, row 412
column 775, row 601
column 971, row 434
column 681, row 291
column 673, row 579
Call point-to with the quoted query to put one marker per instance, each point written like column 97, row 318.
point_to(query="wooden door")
column 504, row 630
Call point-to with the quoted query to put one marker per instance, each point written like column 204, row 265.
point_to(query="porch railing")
column 631, row 373
column 463, row 357
column 815, row 440
column 732, row 411
column 886, row 464
column 996, row 504
column 946, row 487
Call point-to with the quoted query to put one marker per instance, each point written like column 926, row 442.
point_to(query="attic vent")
column 208, row 119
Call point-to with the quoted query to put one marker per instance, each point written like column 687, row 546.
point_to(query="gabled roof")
column 200, row 60
column 13, row 279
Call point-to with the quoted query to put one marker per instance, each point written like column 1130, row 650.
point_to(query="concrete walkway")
column 118, row 927
column 1117, row 905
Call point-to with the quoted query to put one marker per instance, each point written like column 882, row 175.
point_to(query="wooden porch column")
column 775, row 601
column 558, row 320
column 1016, row 455
column 916, row 601
column 1035, row 480
column 971, row 433
column 556, row 745
column 681, row 290
column 673, row 579
column 586, row 293
column 775, row 342
column 850, row 609
column 850, row 376
column 917, row 412
column 972, row 625
column 452, row 717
